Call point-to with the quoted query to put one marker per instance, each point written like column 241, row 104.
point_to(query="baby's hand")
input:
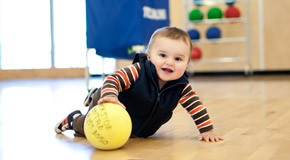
column 210, row 137
column 111, row 99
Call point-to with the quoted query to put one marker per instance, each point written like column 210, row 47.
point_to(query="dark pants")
column 78, row 123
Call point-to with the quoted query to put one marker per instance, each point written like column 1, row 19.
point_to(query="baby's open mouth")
column 167, row 70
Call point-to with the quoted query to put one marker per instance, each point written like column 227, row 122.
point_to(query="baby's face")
column 170, row 58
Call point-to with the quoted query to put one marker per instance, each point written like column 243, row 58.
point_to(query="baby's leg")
column 78, row 123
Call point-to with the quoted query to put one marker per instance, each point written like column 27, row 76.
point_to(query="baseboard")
column 228, row 73
column 80, row 73
column 42, row 73
column 239, row 73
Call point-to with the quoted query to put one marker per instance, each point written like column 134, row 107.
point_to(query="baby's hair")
column 172, row 33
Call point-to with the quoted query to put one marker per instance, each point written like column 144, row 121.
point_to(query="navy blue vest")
column 148, row 106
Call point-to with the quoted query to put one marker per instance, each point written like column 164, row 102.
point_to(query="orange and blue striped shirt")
column 122, row 80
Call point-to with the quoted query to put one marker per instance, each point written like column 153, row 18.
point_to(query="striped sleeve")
column 192, row 104
column 120, row 80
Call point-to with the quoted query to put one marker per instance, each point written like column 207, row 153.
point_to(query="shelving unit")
column 188, row 5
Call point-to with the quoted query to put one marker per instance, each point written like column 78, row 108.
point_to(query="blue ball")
column 213, row 33
column 230, row 2
column 193, row 34
column 198, row 2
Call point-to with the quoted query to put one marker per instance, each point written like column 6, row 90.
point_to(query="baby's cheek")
column 181, row 69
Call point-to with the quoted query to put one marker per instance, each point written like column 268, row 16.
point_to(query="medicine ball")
column 196, row 54
column 195, row 15
column 213, row 33
column 193, row 34
column 197, row 2
column 214, row 13
column 230, row 2
column 232, row 12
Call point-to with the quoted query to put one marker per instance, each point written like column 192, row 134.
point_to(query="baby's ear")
column 148, row 55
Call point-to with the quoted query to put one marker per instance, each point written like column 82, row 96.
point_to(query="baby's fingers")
column 111, row 100
column 107, row 100
column 210, row 138
column 204, row 138
column 213, row 139
column 220, row 138
column 216, row 138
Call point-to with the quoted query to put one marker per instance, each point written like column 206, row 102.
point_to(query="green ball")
column 195, row 15
column 214, row 13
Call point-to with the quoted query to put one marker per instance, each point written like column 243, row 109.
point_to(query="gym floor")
column 251, row 113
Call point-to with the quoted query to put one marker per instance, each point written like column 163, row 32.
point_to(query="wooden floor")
column 251, row 113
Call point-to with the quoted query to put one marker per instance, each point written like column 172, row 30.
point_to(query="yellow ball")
column 108, row 126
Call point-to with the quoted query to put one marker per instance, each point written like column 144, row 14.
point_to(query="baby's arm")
column 117, row 82
column 192, row 104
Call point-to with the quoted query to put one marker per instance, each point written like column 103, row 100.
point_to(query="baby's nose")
column 170, row 62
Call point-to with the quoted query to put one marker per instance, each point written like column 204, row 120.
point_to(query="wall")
column 276, row 41
column 276, row 38
column 277, row 33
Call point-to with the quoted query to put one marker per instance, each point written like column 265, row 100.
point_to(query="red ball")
column 196, row 53
column 232, row 12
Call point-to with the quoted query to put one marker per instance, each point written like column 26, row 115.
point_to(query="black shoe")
column 67, row 123
column 89, row 97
